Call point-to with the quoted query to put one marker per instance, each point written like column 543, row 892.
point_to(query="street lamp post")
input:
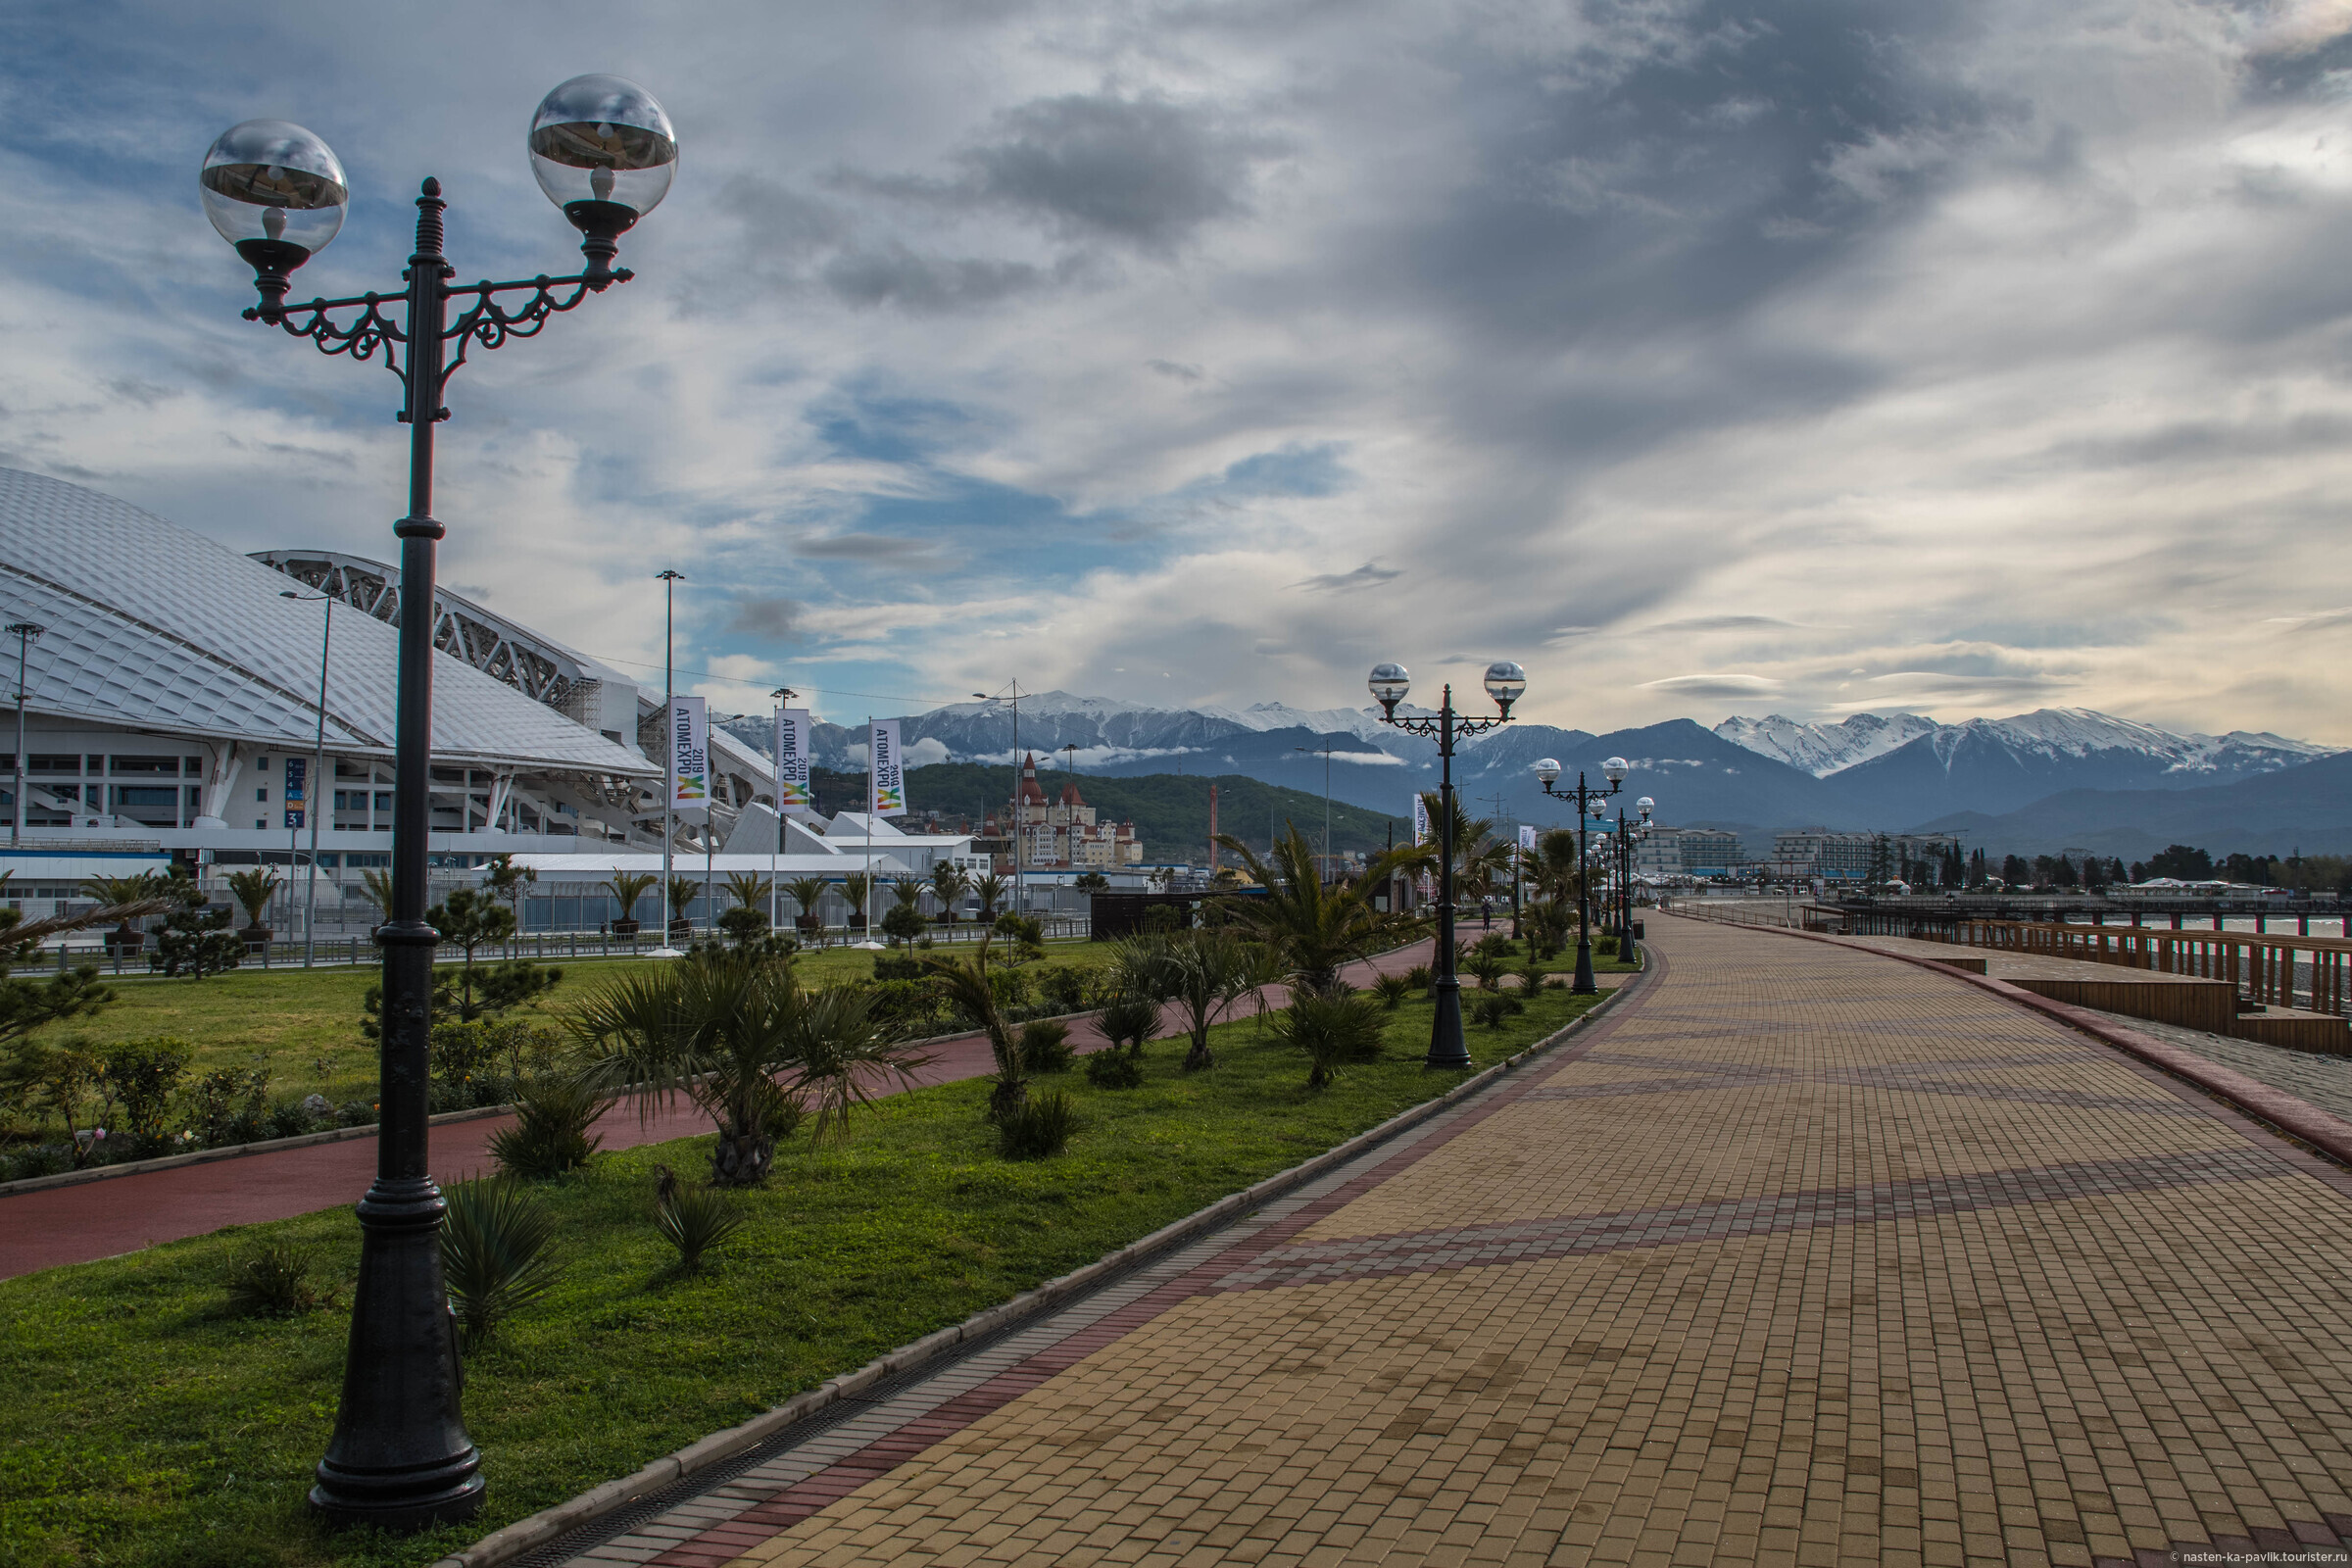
column 603, row 149
column 1504, row 682
column 23, row 631
column 1628, row 835
column 1587, row 799
column 310, row 807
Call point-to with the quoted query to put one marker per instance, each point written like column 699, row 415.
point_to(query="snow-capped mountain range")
column 1871, row 771
column 1825, row 750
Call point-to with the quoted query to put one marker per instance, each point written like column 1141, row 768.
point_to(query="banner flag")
column 1527, row 837
column 1420, row 818
column 297, row 795
column 794, row 727
column 690, row 753
column 889, row 777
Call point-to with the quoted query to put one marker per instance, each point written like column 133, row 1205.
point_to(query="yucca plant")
column 1487, row 965
column 1394, row 990
column 549, row 1135
column 1045, row 1045
column 1129, row 1019
column 1039, row 1129
column 1495, row 1006
column 496, row 1253
column 275, row 1282
column 1419, row 976
column 695, row 1220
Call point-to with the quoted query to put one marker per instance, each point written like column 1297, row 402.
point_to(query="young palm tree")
column 1319, row 927
column 991, row 890
column 853, row 888
column 739, row 1038
column 950, row 882
column 908, row 891
column 1202, row 971
column 376, row 883
column 805, row 893
column 683, row 890
column 114, row 891
column 626, row 887
column 252, row 889
column 749, row 890
column 966, row 984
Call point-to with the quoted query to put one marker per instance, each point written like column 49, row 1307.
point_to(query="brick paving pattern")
column 1806, row 1256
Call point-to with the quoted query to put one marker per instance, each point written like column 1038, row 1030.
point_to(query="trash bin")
column 1639, row 934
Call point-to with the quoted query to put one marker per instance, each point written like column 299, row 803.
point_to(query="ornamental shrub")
column 1038, row 1129
column 140, row 1076
column 1045, row 1046
column 496, row 1253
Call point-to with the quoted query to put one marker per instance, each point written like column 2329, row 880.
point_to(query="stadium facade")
column 173, row 696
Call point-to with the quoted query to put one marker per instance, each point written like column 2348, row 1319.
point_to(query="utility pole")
column 669, row 581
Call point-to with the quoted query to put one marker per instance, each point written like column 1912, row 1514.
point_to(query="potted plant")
column 627, row 888
column 683, row 890
column 252, row 889
column 125, row 940
column 805, row 893
column 853, row 888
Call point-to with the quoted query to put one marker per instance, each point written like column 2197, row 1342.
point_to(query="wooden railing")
column 2278, row 972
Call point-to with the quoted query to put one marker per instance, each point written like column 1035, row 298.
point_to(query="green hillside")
column 1169, row 811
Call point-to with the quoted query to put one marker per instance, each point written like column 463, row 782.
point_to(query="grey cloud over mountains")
column 1690, row 351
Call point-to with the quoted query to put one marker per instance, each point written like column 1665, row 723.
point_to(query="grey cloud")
column 895, row 276
column 1174, row 370
column 765, row 618
column 1367, row 575
column 866, row 546
column 1721, row 686
column 1723, row 624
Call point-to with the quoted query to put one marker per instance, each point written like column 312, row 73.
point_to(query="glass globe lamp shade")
column 1388, row 684
column 1646, row 806
column 271, row 183
column 604, row 151
column 1547, row 768
column 1614, row 769
column 1504, row 682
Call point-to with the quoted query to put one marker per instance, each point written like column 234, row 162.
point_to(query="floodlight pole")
column 401, row 1459
column 24, row 631
column 669, row 581
column 310, row 903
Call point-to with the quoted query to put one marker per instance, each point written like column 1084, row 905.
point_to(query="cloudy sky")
column 1704, row 356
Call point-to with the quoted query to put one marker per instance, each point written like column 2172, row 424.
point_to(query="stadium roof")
column 153, row 626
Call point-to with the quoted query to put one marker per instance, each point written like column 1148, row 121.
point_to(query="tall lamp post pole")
column 669, row 581
column 603, row 149
column 1504, row 682
column 1587, row 799
column 1015, row 702
column 23, row 631
column 318, row 790
column 1628, row 835
column 1325, row 872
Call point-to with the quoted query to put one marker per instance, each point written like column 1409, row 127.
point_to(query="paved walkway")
column 2322, row 1080
column 1805, row 1255
column 88, row 1220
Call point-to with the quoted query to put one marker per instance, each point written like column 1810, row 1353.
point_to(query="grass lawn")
column 148, row 1427
column 303, row 1025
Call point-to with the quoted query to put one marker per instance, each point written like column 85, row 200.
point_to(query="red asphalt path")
column 60, row 1225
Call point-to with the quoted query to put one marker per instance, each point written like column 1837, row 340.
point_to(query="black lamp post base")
column 1448, row 1050
column 1585, row 985
column 395, row 1502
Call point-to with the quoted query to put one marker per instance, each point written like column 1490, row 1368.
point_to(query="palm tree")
column 853, row 888
column 749, row 889
column 252, row 889
column 1202, row 971
column 114, row 891
column 967, row 985
column 1319, row 927
column 991, row 890
column 626, row 888
column 376, row 883
column 908, row 891
column 805, row 891
column 738, row 1037
column 948, row 883
column 683, row 890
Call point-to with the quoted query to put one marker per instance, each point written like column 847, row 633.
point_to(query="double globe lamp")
column 605, row 152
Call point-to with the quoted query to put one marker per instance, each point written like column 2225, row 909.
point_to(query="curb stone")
column 513, row 1540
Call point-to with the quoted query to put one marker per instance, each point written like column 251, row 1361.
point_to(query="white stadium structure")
column 172, row 681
